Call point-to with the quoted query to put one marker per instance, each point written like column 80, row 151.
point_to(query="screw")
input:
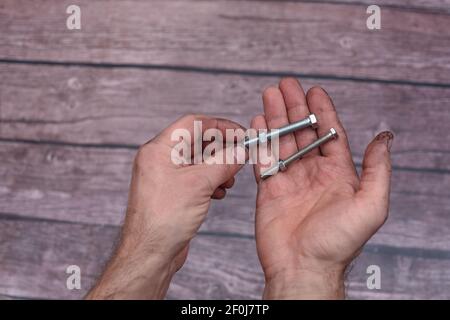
column 309, row 121
column 283, row 164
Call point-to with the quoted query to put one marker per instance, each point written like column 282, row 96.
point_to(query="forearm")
column 134, row 276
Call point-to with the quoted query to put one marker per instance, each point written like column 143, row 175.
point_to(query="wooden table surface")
column 75, row 105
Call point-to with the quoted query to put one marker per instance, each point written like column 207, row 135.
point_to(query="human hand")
column 313, row 219
column 167, row 204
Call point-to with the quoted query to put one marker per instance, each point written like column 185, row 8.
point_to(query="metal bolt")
column 283, row 164
column 310, row 121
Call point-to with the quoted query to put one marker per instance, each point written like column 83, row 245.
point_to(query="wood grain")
column 402, row 277
column 90, row 185
column 129, row 106
column 69, row 131
column 434, row 6
column 35, row 255
column 93, row 106
column 295, row 37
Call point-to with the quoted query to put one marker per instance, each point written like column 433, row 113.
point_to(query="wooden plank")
column 402, row 277
column 234, row 35
column 129, row 106
column 90, row 185
column 35, row 255
column 435, row 6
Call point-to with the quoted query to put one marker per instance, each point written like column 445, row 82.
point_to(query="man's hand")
column 167, row 204
column 313, row 219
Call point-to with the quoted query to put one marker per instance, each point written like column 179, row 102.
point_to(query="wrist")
column 306, row 285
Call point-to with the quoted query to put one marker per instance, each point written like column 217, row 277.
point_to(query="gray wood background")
column 75, row 105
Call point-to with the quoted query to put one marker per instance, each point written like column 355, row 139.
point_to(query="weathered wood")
column 434, row 6
column 34, row 256
column 110, row 106
column 295, row 37
column 402, row 277
column 109, row 111
column 90, row 185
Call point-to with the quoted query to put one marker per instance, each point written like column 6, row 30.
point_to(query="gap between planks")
column 223, row 71
column 136, row 147
column 431, row 9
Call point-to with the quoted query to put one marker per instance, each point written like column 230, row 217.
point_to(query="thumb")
column 376, row 172
column 225, row 165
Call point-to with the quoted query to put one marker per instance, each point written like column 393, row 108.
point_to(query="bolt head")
column 313, row 120
column 334, row 133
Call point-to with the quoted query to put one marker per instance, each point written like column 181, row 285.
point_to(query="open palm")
column 318, row 214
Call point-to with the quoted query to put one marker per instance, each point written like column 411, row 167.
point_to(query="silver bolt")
column 309, row 121
column 283, row 164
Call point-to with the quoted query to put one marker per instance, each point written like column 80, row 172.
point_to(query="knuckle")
column 190, row 117
column 143, row 155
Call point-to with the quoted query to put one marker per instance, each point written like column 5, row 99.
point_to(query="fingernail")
column 387, row 137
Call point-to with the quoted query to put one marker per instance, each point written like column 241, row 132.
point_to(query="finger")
column 276, row 117
column 229, row 184
column 219, row 194
column 257, row 123
column 321, row 105
column 193, row 125
column 297, row 109
column 376, row 174
column 222, row 166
